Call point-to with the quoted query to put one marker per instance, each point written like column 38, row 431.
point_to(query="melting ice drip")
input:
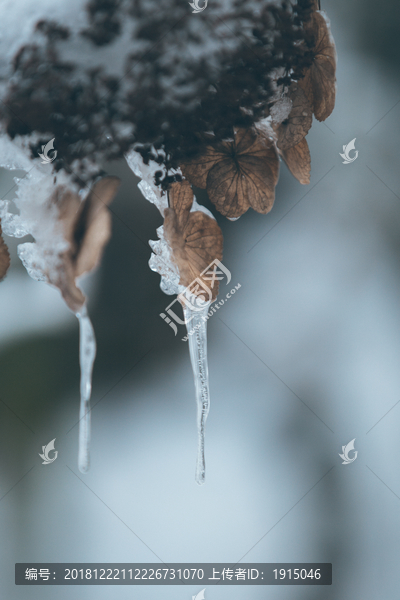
column 196, row 322
column 87, row 353
column 162, row 263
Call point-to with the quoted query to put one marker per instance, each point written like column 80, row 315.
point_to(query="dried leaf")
column 87, row 227
column 4, row 256
column 298, row 161
column 238, row 174
column 298, row 123
column 319, row 82
column 194, row 237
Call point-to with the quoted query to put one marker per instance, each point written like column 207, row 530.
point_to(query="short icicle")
column 196, row 324
column 87, row 353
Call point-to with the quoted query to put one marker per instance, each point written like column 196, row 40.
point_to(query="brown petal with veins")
column 87, row 227
column 194, row 237
column 4, row 256
column 298, row 123
column 298, row 161
column 319, row 82
column 238, row 174
column 197, row 170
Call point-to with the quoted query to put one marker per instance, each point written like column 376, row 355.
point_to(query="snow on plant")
column 214, row 101
column 70, row 229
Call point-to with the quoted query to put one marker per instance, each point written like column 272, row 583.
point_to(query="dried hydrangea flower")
column 238, row 174
column 120, row 77
column 123, row 80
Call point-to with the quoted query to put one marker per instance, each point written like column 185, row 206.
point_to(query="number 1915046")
column 297, row 574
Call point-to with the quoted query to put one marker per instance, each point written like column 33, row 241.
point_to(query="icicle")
column 162, row 262
column 87, row 353
column 196, row 324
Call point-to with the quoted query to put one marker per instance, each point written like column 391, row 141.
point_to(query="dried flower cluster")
column 227, row 121
column 211, row 101
column 147, row 73
column 242, row 172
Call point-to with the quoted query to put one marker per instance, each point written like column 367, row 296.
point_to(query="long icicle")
column 196, row 322
column 87, row 353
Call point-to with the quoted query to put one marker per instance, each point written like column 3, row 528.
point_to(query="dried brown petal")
column 4, row 256
column 65, row 282
column 87, row 227
column 298, row 160
column 197, row 170
column 194, row 237
column 180, row 198
column 93, row 227
column 298, row 123
column 319, row 82
column 241, row 174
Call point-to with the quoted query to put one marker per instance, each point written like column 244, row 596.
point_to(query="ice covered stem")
column 196, row 324
column 87, row 353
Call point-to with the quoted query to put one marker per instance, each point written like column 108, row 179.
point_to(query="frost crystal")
column 161, row 259
column 281, row 109
column 37, row 215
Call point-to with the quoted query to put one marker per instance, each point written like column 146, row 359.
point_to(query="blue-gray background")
column 304, row 358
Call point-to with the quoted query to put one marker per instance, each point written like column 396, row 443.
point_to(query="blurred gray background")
column 303, row 358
